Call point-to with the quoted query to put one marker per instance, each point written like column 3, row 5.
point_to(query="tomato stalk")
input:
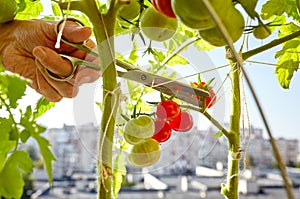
column 103, row 28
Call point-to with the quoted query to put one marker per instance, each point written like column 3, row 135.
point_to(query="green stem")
column 230, row 190
column 270, row 45
column 103, row 28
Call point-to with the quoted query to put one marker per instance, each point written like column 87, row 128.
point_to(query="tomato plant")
column 182, row 123
column 221, row 25
column 163, row 130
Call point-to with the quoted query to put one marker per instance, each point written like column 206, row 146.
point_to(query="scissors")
column 165, row 85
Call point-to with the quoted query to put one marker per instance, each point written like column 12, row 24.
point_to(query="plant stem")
column 230, row 190
column 103, row 28
column 270, row 45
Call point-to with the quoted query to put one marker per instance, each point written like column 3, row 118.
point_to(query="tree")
column 224, row 29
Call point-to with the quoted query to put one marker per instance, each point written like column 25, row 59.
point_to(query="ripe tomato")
column 8, row 10
column 163, row 130
column 182, row 123
column 164, row 7
column 167, row 110
column 145, row 153
column 157, row 26
column 209, row 101
column 138, row 129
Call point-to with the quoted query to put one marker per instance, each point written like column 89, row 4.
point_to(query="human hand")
column 29, row 48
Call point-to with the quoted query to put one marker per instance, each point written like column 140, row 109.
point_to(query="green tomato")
column 233, row 21
column 138, row 129
column 145, row 153
column 8, row 10
column 194, row 14
column 262, row 32
column 156, row 26
column 130, row 11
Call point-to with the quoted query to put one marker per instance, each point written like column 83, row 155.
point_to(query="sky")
column 281, row 106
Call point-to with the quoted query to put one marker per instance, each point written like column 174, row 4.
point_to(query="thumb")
column 73, row 32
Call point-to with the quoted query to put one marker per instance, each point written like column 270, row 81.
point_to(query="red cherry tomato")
column 167, row 110
column 209, row 101
column 164, row 7
column 163, row 131
column 182, row 123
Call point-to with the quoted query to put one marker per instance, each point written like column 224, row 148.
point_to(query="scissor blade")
column 166, row 85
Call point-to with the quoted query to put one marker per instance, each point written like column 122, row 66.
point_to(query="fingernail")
column 85, row 79
column 39, row 53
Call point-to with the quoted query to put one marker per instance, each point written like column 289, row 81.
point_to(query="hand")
column 29, row 48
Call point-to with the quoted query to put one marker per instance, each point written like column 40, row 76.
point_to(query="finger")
column 76, row 33
column 64, row 89
column 52, row 61
column 44, row 88
column 86, row 75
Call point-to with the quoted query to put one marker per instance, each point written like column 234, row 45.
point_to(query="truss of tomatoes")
column 170, row 117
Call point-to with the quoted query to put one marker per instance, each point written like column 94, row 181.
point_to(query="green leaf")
column 13, row 86
column 30, row 9
column 177, row 60
column 42, row 106
column 218, row 134
column 6, row 145
column 249, row 6
column 133, row 57
column 288, row 57
column 25, row 134
column 55, row 9
column 11, row 177
column 46, row 153
column 274, row 8
column 119, row 172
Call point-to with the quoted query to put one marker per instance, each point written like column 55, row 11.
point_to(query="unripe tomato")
column 182, row 123
column 145, row 153
column 164, row 7
column 138, row 129
column 167, row 110
column 163, row 130
column 130, row 11
column 8, row 10
column 194, row 14
column 262, row 32
column 233, row 21
column 156, row 26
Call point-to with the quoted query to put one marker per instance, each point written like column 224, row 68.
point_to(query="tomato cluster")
column 207, row 101
column 170, row 117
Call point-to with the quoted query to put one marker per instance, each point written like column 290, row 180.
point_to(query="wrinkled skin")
column 28, row 47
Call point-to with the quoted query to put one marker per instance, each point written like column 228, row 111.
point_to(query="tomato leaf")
column 119, row 172
column 30, row 9
column 42, row 106
column 274, row 8
column 6, row 144
column 46, row 153
column 218, row 134
column 288, row 56
column 249, row 6
column 11, row 176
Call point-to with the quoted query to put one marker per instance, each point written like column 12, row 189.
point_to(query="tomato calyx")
column 207, row 101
